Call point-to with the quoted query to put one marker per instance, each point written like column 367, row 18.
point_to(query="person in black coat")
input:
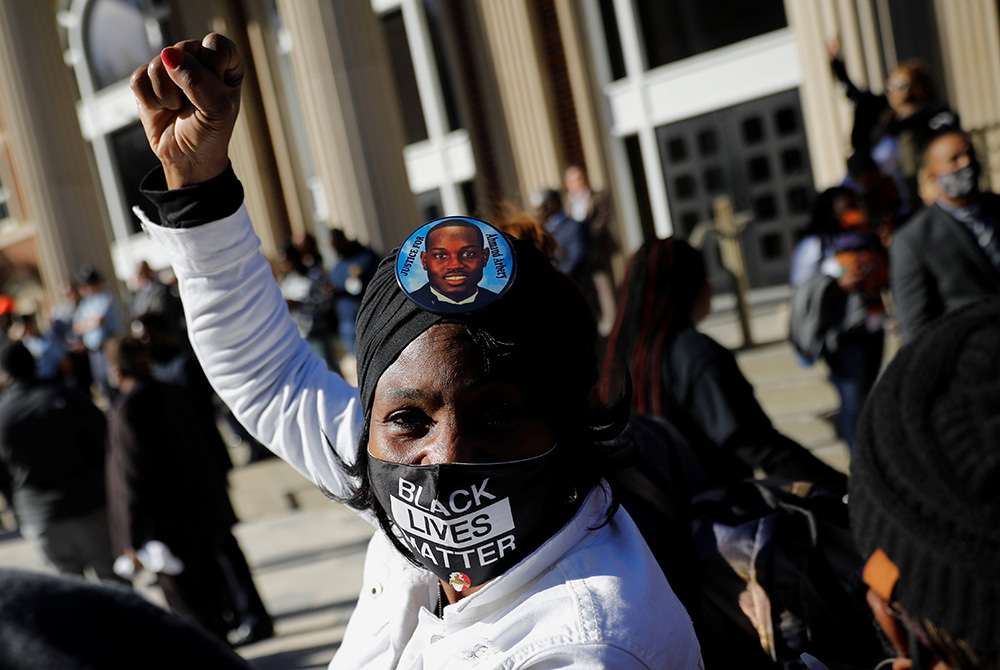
column 948, row 255
column 688, row 378
column 892, row 128
column 176, row 364
column 52, row 467
column 164, row 485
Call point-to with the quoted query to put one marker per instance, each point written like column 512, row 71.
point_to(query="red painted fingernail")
column 172, row 57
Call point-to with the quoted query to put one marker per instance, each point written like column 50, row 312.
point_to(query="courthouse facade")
column 375, row 115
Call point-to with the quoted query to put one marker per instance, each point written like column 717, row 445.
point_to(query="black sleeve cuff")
column 196, row 205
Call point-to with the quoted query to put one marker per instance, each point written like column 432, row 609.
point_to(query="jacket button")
column 376, row 589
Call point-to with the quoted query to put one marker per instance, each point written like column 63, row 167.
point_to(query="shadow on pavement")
column 319, row 609
column 303, row 558
column 300, row 659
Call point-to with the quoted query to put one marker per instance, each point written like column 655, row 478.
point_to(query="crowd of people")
column 908, row 236
column 561, row 477
column 324, row 303
column 140, row 484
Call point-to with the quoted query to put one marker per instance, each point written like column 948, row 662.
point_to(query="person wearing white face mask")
column 948, row 255
column 470, row 440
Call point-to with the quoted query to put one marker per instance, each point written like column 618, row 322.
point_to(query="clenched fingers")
column 142, row 88
column 166, row 91
column 205, row 88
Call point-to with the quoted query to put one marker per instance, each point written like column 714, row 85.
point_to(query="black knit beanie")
column 542, row 326
column 925, row 474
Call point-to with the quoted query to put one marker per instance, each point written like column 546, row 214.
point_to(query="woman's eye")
column 408, row 419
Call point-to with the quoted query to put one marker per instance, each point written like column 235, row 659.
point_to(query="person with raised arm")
column 471, row 442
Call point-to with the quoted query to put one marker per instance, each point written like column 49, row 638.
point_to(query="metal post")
column 728, row 229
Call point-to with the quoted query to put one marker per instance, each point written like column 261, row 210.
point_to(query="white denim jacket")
column 587, row 598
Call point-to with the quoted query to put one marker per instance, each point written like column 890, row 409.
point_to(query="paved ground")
column 307, row 552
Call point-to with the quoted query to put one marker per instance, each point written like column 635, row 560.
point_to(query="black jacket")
column 163, row 480
column 426, row 298
column 714, row 407
column 51, row 452
column 937, row 266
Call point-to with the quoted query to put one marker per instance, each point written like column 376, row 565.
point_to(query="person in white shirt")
column 470, row 440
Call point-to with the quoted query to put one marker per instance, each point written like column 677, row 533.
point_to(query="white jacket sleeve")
column 252, row 353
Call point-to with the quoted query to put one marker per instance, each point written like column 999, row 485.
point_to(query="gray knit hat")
column 925, row 475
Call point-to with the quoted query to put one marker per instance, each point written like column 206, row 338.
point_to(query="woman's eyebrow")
column 404, row 393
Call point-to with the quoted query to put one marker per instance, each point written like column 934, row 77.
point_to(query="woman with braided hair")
column 685, row 376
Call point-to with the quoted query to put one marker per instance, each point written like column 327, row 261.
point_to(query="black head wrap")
column 540, row 335
column 541, row 325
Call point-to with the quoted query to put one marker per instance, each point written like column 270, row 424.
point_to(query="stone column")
column 587, row 97
column 48, row 155
column 352, row 117
column 827, row 114
column 250, row 150
column 263, row 45
column 519, row 70
column 970, row 42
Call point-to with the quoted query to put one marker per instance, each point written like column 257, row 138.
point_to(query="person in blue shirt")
column 573, row 256
column 350, row 276
column 95, row 321
column 47, row 350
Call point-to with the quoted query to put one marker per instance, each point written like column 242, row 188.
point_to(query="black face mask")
column 467, row 523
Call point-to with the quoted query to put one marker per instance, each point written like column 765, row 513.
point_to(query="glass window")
column 799, row 200
column 792, row 161
column 436, row 25
column 469, row 194
column 640, row 187
column 615, row 56
column 753, row 130
column 714, row 180
column 765, row 208
column 684, row 187
column 133, row 160
column 116, row 40
column 759, row 169
column 785, row 121
column 739, row 152
column 688, row 221
column 4, row 196
column 771, row 246
column 405, row 79
column 676, row 29
column 430, row 205
column 677, row 149
column 708, row 142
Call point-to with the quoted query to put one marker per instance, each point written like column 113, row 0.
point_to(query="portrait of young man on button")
column 455, row 264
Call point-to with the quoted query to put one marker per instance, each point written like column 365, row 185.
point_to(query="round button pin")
column 456, row 264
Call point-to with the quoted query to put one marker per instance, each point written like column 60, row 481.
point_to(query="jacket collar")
column 499, row 591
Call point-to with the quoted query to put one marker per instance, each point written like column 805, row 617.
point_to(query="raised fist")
column 188, row 99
